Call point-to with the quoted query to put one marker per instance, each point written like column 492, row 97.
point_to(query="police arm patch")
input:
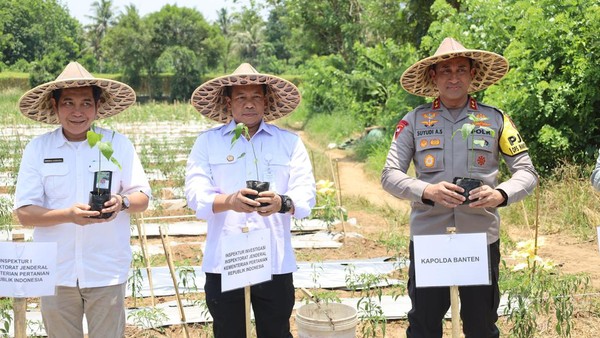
column 511, row 142
column 399, row 128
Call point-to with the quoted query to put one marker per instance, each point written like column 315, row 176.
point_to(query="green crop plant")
column 6, row 317
column 152, row 317
column 369, row 307
column 535, row 289
column 134, row 282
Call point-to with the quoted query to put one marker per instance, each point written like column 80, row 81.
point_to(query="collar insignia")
column 473, row 103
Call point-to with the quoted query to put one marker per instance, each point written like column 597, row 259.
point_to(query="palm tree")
column 103, row 18
column 224, row 20
column 248, row 42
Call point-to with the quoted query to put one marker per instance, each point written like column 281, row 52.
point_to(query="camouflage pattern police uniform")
column 424, row 136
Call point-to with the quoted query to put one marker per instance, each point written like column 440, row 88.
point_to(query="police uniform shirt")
column 425, row 138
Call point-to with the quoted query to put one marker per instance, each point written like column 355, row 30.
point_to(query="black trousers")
column 272, row 303
column 478, row 304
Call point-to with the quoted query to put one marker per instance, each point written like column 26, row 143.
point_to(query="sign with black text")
column 452, row 259
column 27, row 269
column 246, row 259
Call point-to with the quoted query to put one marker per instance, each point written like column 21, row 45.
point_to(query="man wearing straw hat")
column 215, row 190
column 424, row 137
column 55, row 178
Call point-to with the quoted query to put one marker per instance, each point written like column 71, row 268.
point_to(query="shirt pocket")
column 481, row 153
column 429, row 156
column 55, row 178
column 277, row 173
column 227, row 170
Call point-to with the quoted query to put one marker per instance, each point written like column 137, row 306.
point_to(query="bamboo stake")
column 454, row 300
column 173, row 277
column 537, row 218
column 247, row 300
column 139, row 221
column 338, row 184
column 20, row 303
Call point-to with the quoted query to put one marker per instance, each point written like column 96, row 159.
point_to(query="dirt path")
column 573, row 256
column 354, row 181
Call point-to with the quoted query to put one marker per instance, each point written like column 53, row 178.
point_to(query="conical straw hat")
column 489, row 69
column 209, row 98
column 116, row 96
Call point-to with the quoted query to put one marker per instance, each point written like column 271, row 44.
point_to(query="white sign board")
column 452, row 259
column 27, row 269
column 246, row 259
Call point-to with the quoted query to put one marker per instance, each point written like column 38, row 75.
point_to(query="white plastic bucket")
column 331, row 320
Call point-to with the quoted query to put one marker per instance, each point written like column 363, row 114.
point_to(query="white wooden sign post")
column 246, row 260
column 451, row 260
column 26, row 270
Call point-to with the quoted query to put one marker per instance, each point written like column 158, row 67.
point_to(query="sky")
column 80, row 8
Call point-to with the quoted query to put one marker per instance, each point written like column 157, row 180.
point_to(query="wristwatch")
column 124, row 202
column 286, row 204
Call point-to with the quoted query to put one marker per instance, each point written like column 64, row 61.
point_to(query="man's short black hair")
column 228, row 90
column 96, row 92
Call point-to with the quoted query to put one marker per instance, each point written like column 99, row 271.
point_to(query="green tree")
column 30, row 29
column 553, row 88
column 174, row 26
column 224, row 21
column 127, row 42
column 277, row 33
column 186, row 71
column 102, row 19
column 324, row 27
column 247, row 43
column 180, row 26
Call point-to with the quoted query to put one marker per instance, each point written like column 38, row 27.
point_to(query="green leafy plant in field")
column 327, row 208
column 369, row 306
column 535, row 289
column 134, row 282
column 5, row 214
column 187, row 282
column 6, row 317
column 152, row 317
column 320, row 295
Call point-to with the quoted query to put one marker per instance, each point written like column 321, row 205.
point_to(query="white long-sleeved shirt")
column 214, row 168
column 55, row 174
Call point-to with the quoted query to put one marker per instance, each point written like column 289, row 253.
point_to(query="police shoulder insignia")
column 511, row 142
column 399, row 128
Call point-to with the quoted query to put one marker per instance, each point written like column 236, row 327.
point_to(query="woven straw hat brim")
column 116, row 97
column 209, row 98
column 489, row 69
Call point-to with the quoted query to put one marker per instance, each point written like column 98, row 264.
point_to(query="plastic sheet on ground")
column 328, row 274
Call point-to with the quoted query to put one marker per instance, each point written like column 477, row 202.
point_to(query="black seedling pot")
column 97, row 201
column 467, row 184
column 258, row 186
